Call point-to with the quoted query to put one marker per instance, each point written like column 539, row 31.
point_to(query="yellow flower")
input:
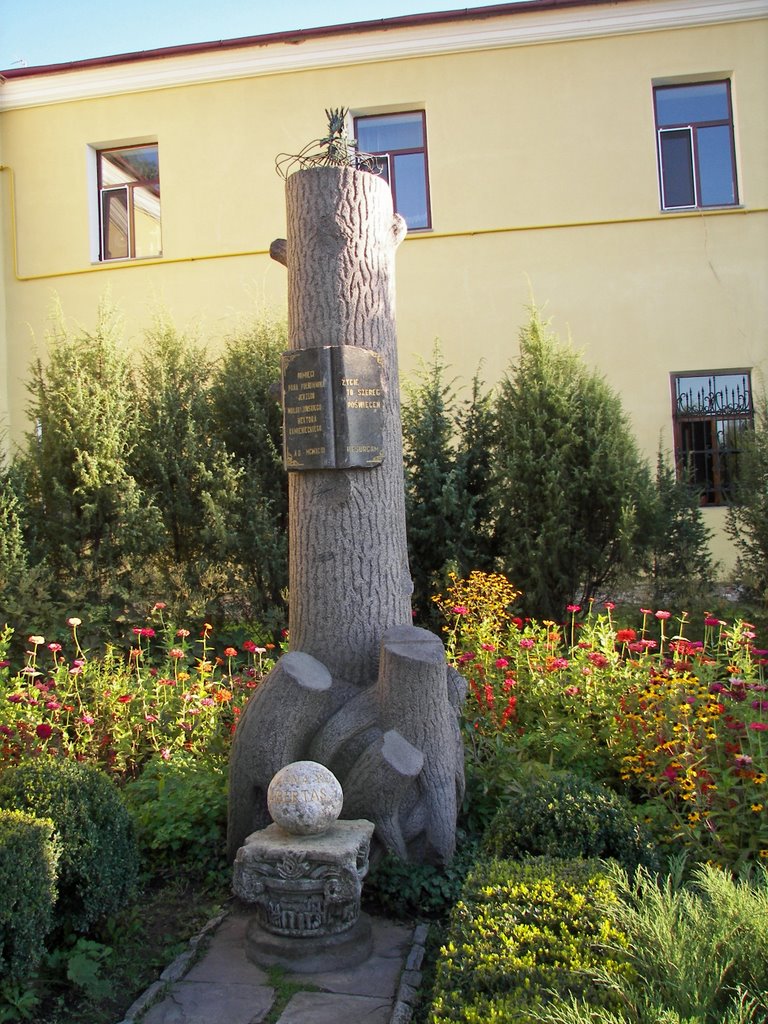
column 757, row 808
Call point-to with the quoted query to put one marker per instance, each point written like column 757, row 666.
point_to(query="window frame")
column 386, row 156
column 693, row 127
column 129, row 188
column 704, row 460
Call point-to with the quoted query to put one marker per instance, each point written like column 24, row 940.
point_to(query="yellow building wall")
column 543, row 185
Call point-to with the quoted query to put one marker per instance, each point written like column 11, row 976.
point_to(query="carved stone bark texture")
column 349, row 578
column 362, row 691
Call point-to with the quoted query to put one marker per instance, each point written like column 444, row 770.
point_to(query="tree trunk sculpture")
column 361, row 691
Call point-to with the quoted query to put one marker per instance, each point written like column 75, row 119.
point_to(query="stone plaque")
column 332, row 408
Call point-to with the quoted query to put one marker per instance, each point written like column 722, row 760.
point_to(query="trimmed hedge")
column 525, row 933
column 98, row 866
column 562, row 815
column 29, row 854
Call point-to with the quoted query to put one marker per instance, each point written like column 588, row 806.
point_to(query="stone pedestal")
column 305, row 893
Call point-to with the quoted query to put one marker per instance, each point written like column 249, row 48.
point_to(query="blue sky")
column 36, row 32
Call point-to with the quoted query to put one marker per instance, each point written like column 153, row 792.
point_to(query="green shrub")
column 564, row 816
column 525, row 933
column 410, row 891
column 180, row 812
column 699, row 951
column 574, row 494
column 28, row 858
column 98, row 866
column 681, row 569
column 447, row 449
column 747, row 522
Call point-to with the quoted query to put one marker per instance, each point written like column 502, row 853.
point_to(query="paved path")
column 221, row 986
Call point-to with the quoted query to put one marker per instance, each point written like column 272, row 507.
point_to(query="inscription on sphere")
column 304, row 798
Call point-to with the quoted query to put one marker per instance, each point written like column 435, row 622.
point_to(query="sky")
column 39, row 32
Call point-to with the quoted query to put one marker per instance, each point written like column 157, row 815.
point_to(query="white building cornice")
column 383, row 42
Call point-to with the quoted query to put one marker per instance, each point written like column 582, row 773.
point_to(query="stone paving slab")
column 224, row 987
column 333, row 1008
column 196, row 1002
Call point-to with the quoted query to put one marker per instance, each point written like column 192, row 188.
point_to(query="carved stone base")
column 304, row 887
column 310, row 955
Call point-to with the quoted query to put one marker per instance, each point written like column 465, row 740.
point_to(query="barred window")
column 711, row 411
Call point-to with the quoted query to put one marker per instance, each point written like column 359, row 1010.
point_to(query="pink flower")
column 573, row 608
column 759, row 726
column 182, row 633
column 712, row 621
column 646, row 611
column 230, row 652
column 165, row 754
column 175, row 652
column 527, row 643
column 488, row 647
column 572, row 691
column 501, row 663
column 87, row 719
column 16, row 698
column 460, row 609
column 55, row 648
column 662, row 616
column 53, row 705
column 598, row 660
column 609, row 605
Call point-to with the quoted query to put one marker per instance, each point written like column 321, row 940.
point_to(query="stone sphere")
column 305, row 798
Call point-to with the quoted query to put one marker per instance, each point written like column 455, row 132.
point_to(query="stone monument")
column 361, row 691
column 303, row 876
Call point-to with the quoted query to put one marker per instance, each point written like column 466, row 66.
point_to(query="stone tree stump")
column 361, row 691
column 348, row 573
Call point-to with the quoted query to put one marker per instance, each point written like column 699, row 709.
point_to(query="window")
column 711, row 412
column 697, row 162
column 400, row 143
column 129, row 202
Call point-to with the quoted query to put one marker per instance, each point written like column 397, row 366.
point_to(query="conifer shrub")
column 447, row 446
column 573, row 493
column 179, row 808
column 98, row 865
column 29, row 855
column 681, row 569
column 563, row 815
column 747, row 521
column 524, row 934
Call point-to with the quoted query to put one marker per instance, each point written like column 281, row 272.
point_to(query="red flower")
column 625, row 636
column 44, row 730
column 249, row 646
column 126, row 698
column 759, row 726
